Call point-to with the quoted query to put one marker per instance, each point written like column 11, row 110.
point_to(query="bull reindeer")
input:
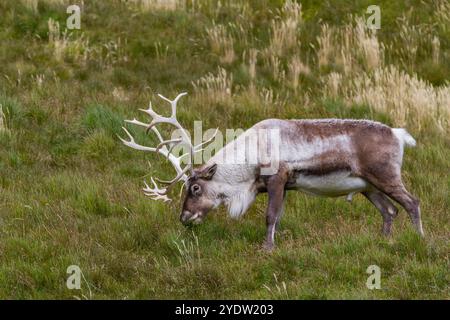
column 327, row 157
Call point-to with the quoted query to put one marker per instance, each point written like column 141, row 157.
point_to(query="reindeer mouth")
column 196, row 218
column 197, row 221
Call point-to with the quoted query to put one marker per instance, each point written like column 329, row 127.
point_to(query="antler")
column 165, row 147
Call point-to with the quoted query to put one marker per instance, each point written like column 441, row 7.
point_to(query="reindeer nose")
column 184, row 217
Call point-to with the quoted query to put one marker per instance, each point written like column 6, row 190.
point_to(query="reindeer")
column 326, row 157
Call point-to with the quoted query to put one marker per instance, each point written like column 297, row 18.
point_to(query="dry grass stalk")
column 279, row 289
column 215, row 87
column 349, row 46
column 64, row 44
column 3, row 124
column 114, row 52
column 284, row 29
column 222, row 43
column 31, row 4
column 325, row 46
column 442, row 14
column 150, row 5
column 333, row 84
column 252, row 60
column 295, row 69
column 276, row 67
column 435, row 45
column 367, row 44
column 239, row 32
column 188, row 252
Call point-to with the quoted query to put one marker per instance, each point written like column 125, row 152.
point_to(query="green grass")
column 70, row 192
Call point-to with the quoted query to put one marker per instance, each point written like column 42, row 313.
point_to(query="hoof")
column 268, row 247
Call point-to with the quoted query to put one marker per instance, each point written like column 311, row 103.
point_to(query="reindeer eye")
column 196, row 189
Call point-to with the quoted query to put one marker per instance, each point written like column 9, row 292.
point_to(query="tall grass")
column 65, row 44
column 365, row 78
column 215, row 87
column 149, row 5
column 222, row 43
column 284, row 28
column 352, row 47
column 407, row 99
column 3, row 124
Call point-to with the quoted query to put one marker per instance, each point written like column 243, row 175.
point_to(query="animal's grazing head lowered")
column 199, row 197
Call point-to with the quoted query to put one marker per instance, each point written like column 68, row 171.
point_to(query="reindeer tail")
column 404, row 137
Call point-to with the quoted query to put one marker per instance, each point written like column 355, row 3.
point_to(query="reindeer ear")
column 208, row 172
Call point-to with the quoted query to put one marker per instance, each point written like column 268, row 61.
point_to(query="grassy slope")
column 70, row 193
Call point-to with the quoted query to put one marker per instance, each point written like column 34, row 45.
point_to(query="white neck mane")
column 237, row 196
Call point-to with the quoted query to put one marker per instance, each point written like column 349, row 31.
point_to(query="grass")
column 70, row 193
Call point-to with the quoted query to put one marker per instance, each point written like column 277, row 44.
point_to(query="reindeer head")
column 199, row 198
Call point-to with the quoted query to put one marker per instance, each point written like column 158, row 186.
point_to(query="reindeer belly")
column 331, row 184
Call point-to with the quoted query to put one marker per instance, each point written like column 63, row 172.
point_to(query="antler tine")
column 171, row 142
column 157, row 134
column 132, row 143
column 161, row 194
column 161, row 119
column 173, row 102
column 197, row 148
column 156, row 118
column 137, row 122
column 154, row 129
column 181, row 176
column 156, row 193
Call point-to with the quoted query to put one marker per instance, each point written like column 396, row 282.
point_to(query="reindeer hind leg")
column 391, row 184
column 411, row 205
column 384, row 205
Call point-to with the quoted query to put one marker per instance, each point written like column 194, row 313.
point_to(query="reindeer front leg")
column 275, row 190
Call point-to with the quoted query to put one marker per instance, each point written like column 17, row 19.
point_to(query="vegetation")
column 70, row 192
